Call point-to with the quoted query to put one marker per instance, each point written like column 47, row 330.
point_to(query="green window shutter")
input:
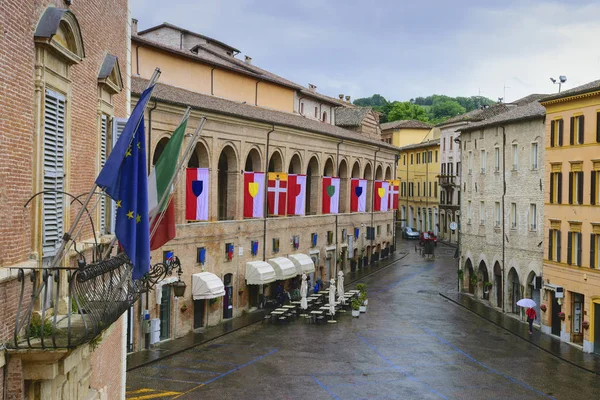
column 581, row 129
column 552, row 133
column 558, row 258
column 578, row 248
column 593, row 188
column 560, row 131
column 550, row 239
column 580, row 187
column 572, row 132
column 592, row 250
column 570, row 248
column 53, row 166
column 560, row 180
column 570, row 187
column 552, row 187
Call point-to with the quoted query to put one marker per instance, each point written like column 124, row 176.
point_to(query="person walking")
column 531, row 314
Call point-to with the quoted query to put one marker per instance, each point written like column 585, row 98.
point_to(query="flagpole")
column 175, row 178
column 68, row 236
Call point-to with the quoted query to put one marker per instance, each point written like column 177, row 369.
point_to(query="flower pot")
column 543, row 308
column 363, row 309
column 585, row 324
column 562, row 317
column 356, row 313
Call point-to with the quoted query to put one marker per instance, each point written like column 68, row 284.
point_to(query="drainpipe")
column 503, row 196
column 373, row 195
column 256, row 94
column 266, row 207
column 212, row 81
column 150, row 134
column 137, row 60
column 337, row 160
column 397, row 158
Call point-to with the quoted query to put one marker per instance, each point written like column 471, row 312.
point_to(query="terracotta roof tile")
column 405, row 123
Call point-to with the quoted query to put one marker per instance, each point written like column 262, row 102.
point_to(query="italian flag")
column 158, row 185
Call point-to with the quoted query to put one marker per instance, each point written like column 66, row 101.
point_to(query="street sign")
column 453, row 226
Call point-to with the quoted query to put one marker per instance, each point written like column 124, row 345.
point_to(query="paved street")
column 411, row 344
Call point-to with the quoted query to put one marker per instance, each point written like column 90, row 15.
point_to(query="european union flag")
column 124, row 178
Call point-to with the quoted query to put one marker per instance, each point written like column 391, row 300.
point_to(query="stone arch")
column 388, row 173
column 368, row 175
column 59, row 29
column 513, row 287
column 254, row 162
column 498, row 284
column 295, row 166
column 312, row 186
column 329, row 168
column 344, row 186
column 356, row 169
column 482, row 278
column 276, row 162
column 379, row 173
column 468, row 274
column 227, row 173
column 200, row 157
column 160, row 147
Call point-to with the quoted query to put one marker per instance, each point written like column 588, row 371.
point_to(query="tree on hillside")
column 443, row 108
column 376, row 100
column 406, row 110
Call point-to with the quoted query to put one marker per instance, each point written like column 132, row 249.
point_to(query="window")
column 450, row 169
column 443, row 169
column 458, row 168
column 435, row 189
column 411, row 159
column 444, row 144
column 424, row 189
column 595, row 187
column 576, row 187
column 418, row 190
column 436, row 156
column 313, row 239
column 483, row 159
column 513, row 216
column 430, row 189
column 103, row 154
column 497, row 212
column 576, row 132
column 404, row 159
column 54, row 165
column 534, row 155
column 275, row 245
column 316, row 112
column 229, row 251
column 598, row 127
column 425, row 157
column 594, row 250
column 555, row 187
column 302, row 108
column 403, row 189
column 574, row 248
column 496, row 159
column 430, row 156
column 450, row 142
column 556, row 133
column 470, row 163
column 378, row 230
column 418, row 158
column 443, row 198
column 482, row 212
column 469, row 212
column 329, row 237
column 532, row 217
column 515, row 152
column 324, row 119
column 554, row 245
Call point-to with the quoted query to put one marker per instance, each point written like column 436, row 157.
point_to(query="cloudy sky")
column 402, row 49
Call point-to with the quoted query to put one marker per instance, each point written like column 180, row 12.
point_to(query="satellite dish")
column 562, row 78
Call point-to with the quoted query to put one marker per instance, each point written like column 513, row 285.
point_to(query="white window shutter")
column 53, row 179
column 117, row 127
column 103, row 140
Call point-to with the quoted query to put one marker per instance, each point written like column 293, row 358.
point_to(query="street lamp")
column 561, row 79
column 179, row 285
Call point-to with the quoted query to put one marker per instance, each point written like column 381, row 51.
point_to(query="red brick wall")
column 9, row 299
column 106, row 362
column 14, row 379
column 104, row 27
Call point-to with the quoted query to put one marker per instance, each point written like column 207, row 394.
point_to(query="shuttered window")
column 53, row 179
column 103, row 144
column 118, row 124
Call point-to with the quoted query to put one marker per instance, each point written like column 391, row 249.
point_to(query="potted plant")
column 362, row 298
column 543, row 308
column 460, row 273
column 561, row 315
column 585, row 324
column 362, row 288
column 355, row 304
column 487, row 286
column 473, row 280
column 183, row 308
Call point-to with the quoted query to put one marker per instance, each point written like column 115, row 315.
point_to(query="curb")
column 191, row 346
column 521, row 337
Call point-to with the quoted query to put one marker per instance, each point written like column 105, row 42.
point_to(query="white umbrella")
column 332, row 297
column 527, row 303
column 303, row 292
column 340, row 287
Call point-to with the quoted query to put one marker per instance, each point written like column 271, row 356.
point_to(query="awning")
column 303, row 263
column 259, row 273
column 284, row 268
column 206, row 285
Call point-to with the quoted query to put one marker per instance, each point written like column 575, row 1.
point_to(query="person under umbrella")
column 332, row 298
column 303, row 293
column 531, row 314
column 340, row 288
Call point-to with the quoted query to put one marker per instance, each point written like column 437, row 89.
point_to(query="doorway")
column 199, row 306
column 165, row 312
column 556, row 309
column 597, row 328
column 228, row 299
column 498, row 284
column 577, row 312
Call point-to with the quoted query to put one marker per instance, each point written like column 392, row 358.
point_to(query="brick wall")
column 107, row 368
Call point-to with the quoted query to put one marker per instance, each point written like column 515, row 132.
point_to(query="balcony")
column 447, row 180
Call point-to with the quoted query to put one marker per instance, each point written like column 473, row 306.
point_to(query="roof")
column 433, row 142
column 529, row 111
column 528, row 99
column 107, row 66
column 172, row 95
column 405, row 123
column 479, row 114
column 345, row 116
column 168, row 25
column 588, row 87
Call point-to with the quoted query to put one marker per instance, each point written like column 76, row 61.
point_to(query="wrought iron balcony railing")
column 447, row 180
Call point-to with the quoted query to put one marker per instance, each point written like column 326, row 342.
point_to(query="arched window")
column 312, row 187
column 227, row 184
column 324, row 119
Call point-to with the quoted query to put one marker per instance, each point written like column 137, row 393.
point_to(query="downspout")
column 150, row 134
column 373, row 196
column 337, row 160
column 266, row 206
column 212, row 81
column 397, row 158
column 256, row 94
column 503, row 196
column 137, row 60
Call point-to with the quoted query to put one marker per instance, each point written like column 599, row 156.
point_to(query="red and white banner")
column 358, row 195
column 382, row 196
column 393, row 200
column 276, row 193
column 254, row 194
column 331, row 195
column 296, row 199
column 196, row 194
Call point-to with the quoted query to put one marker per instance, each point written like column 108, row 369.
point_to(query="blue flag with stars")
column 124, row 178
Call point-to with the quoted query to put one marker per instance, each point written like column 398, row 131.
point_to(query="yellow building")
column 572, row 217
column 405, row 132
column 418, row 169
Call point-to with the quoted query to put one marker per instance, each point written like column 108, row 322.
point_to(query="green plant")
column 36, row 329
column 487, row 285
column 355, row 304
column 460, row 273
column 362, row 297
column 473, row 280
column 362, row 288
column 213, row 301
column 95, row 342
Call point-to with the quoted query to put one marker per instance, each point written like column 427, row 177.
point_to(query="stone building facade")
column 64, row 83
column 506, row 150
column 572, row 217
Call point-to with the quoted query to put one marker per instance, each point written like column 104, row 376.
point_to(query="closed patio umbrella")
column 332, row 297
column 303, row 293
column 340, row 288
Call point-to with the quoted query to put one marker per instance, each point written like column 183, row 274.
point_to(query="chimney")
column 312, row 87
column 341, row 97
column 134, row 23
column 248, row 60
column 348, row 99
